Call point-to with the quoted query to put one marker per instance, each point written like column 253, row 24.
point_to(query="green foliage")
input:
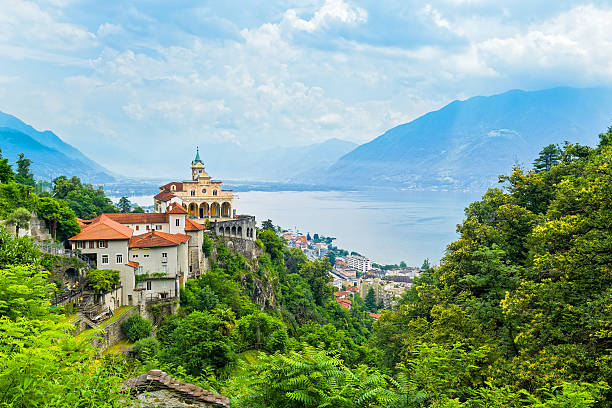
column 262, row 331
column 198, row 341
column 60, row 217
column 370, row 300
column 85, row 200
column 24, row 291
column 146, row 348
column 124, row 205
column 20, row 218
column 136, row 328
column 6, row 170
column 102, row 280
column 16, row 251
column 207, row 245
column 317, row 275
column 138, row 209
column 548, row 157
column 24, row 175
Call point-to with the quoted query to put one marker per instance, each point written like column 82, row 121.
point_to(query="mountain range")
column 467, row 144
column 463, row 146
column 50, row 155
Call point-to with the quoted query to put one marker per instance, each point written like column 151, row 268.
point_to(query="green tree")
column 198, row 341
column 317, row 274
column 548, row 157
column 102, row 280
column 124, row 205
column 262, row 332
column 370, row 300
column 20, row 218
column 136, row 328
column 402, row 264
column 207, row 246
column 267, row 225
column 59, row 216
column 6, row 170
column 138, row 209
column 24, row 175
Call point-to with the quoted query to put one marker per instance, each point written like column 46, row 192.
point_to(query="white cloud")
column 333, row 11
column 24, row 23
column 107, row 29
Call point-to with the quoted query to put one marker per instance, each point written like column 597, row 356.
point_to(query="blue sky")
column 137, row 84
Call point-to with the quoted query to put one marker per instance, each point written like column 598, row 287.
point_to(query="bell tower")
column 197, row 167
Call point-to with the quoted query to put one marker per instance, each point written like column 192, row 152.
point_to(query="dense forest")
column 518, row 314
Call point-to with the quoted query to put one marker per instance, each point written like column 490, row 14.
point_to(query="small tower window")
column 214, row 192
column 192, row 192
column 173, row 187
column 203, row 191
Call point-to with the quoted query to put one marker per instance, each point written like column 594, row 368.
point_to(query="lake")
column 387, row 227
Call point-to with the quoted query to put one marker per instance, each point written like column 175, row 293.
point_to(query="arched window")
column 173, row 187
column 203, row 191
column 214, row 192
column 192, row 192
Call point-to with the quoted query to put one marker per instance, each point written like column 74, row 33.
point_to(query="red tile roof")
column 133, row 264
column 375, row 316
column 176, row 208
column 191, row 225
column 352, row 289
column 135, row 218
column 177, row 184
column 158, row 239
column 340, row 293
column 345, row 303
column 102, row 229
column 165, row 195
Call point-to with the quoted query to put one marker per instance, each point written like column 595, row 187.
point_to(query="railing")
column 155, row 297
column 69, row 253
column 60, row 298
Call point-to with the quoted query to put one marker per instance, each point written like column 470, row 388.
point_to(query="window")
column 192, row 193
column 178, row 222
column 147, row 227
column 135, row 256
column 203, row 191
column 214, row 192
column 119, row 258
column 92, row 244
column 158, row 227
column 140, row 269
column 137, row 228
column 173, row 187
column 146, row 253
column 79, row 244
column 103, row 244
column 164, row 268
column 148, row 285
column 105, row 259
column 190, row 268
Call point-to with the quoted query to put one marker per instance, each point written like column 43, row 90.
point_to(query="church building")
column 202, row 196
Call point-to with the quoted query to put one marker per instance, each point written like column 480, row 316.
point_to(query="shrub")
column 146, row 348
column 101, row 280
column 136, row 327
column 207, row 244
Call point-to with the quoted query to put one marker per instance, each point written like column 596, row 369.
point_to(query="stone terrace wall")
column 112, row 333
column 158, row 389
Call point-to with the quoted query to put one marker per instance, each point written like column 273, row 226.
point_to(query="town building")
column 387, row 293
column 359, row 263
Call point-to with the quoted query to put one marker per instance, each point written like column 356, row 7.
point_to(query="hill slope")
column 467, row 144
column 50, row 155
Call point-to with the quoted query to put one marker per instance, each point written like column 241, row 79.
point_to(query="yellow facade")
column 201, row 196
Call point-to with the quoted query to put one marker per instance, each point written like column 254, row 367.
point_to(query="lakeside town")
column 354, row 274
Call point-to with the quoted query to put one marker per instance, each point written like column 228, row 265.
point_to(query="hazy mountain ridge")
column 50, row 155
column 467, row 144
column 280, row 164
